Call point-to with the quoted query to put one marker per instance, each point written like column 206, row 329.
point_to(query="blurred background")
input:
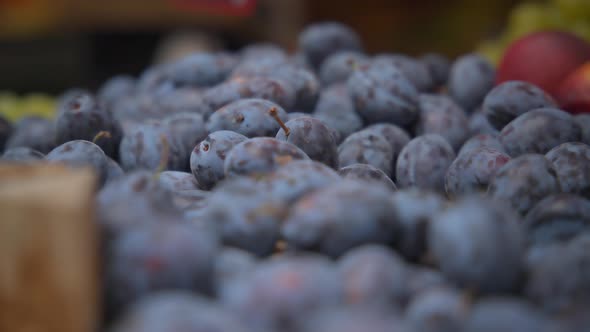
column 47, row 46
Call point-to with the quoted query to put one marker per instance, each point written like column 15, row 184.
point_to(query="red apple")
column 543, row 58
column 574, row 91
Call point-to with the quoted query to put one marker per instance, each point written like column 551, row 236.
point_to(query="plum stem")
column 275, row 115
column 101, row 134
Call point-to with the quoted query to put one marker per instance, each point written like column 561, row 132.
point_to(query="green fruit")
column 566, row 15
column 14, row 107
column 578, row 10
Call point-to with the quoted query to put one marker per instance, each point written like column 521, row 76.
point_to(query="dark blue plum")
column 313, row 137
column 153, row 78
column 259, row 66
column 558, row 218
column 473, row 170
column 491, row 141
column 81, row 153
column 414, row 70
column 114, row 170
column 373, row 275
column 260, row 155
column 423, row 279
column 231, row 264
column 304, row 81
column 479, row 124
column 190, row 201
column 245, row 216
column 524, row 181
column 160, row 104
column 178, row 181
column 438, row 310
column 136, row 108
column 571, row 162
column 200, row 69
column 209, row 155
column 438, row 66
column 299, row 59
column 263, row 52
column 367, row 146
column 33, row 132
column 470, row 79
column 251, row 117
column 277, row 90
column 150, row 146
column 339, row 217
column 367, row 173
column 177, row 100
column 188, row 129
column 340, row 65
column 441, row 115
column 297, row 178
column 280, row 293
column 479, row 244
column 320, row 40
column 381, row 93
column 115, row 88
column 82, row 118
column 356, row 319
column 539, row 131
column 507, row 314
column 164, row 256
column 21, row 155
column 68, row 95
column 512, row 99
column 396, row 136
column 423, row 163
column 336, row 109
column 134, row 200
column 559, row 275
column 414, row 211
column 296, row 115
column 175, row 311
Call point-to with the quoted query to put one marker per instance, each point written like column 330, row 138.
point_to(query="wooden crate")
column 48, row 250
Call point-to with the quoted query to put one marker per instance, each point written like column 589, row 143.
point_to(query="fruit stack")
column 330, row 190
column 532, row 16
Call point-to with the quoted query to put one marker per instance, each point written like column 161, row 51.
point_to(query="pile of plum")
column 329, row 190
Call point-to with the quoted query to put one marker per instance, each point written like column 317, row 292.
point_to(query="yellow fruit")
column 578, row 10
column 530, row 17
column 566, row 15
column 582, row 29
column 14, row 107
column 491, row 50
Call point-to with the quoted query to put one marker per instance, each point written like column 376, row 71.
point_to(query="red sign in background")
column 218, row 7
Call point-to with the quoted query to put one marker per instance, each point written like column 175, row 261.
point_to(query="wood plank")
column 48, row 250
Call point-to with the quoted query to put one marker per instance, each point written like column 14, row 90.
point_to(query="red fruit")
column 544, row 59
column 574, row 91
